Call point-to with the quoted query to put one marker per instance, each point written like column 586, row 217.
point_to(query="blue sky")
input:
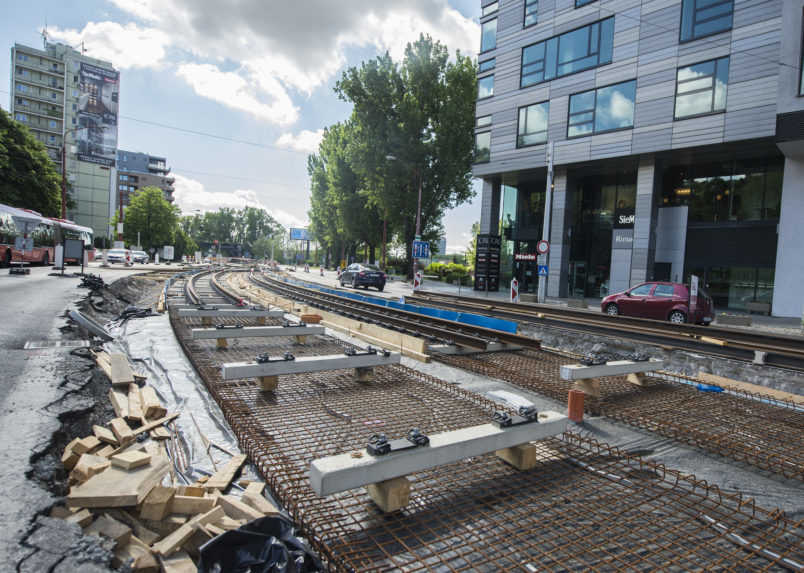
column 252, row 73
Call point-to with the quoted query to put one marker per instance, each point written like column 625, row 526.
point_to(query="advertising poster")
column 97, row 113
column 297, row 234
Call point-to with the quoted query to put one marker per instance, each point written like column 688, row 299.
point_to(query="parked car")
column 117, row 255
column 139, row 257
column 358, row 275
column 661, row 301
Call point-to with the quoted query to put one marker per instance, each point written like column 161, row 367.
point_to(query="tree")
column 28, row 177
column 183, row 243
column 471, row 248
column 150, row 215
column 413, row 127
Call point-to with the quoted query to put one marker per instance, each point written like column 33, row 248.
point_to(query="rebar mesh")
column 585, row 507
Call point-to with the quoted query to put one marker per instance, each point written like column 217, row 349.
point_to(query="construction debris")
column 127, row 491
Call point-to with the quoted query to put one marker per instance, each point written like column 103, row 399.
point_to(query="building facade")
column 137, row 170
column 675, row 129
column 70, row 103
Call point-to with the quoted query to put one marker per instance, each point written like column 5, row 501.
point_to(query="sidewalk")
column 397, row 288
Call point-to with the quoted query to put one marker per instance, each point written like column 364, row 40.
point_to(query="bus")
column 42, row 232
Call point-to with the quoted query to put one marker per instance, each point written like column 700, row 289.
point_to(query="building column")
column 490, row 207
column 642, row 254
column 787, row 293
column 558, row 258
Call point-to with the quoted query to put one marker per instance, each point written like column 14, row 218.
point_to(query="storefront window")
column 733, row 287
column 742, row 190
column 508, row 213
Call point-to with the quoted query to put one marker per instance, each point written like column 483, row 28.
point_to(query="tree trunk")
column 410, row 233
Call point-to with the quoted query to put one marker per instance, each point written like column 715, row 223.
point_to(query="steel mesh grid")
column 764, row 435
column 481, row 514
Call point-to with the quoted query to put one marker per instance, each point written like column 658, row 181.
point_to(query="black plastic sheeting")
column 266, row 545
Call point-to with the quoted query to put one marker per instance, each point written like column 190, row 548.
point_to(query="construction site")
column 244, row 416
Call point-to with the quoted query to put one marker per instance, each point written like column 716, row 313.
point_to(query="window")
column 51, row 124
column 483, row 121
column 75, row 93
column 22, row 88
column 701, row 88
column 73, row 121
column 483, row 147
column 642, row 290
column 490, row 9
column 486, row 65
column 532, row 128
column 54, row 66
column 52, row 139
column 21, row 117
column 700, row 18
column 568, row 53
column 19, row 101
column 53, row 95
column 485, row 87
column 124, row 178
column 531, row 12
column 579, row 3
column 664, row 290
column 488, row 35
column 604, row 109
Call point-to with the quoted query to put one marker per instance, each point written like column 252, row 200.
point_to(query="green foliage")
column 471, row 248
column 152, row 216
column 411, row 126
column 233, row 226
column 28, row 178
column 183, row 244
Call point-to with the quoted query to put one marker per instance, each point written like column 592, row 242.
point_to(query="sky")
column 256, row 75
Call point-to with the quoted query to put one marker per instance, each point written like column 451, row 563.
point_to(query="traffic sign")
column 542, row 270
column 421, row 250
column 542, row 247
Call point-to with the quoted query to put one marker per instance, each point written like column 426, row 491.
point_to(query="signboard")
column 74, row 249
column 97, row 114
column 421, row 250
column 622, row 239
column 624, row 218
column 298, row 234
column 542, row 247
column 525, row 257
column 487, row 262
column 542, row 270
column 167, row 252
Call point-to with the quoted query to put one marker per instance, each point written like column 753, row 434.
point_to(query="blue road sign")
column 421, row 250
column 542, row 270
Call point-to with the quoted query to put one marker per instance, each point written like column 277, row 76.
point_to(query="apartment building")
column 675, row 130
column 137, row 170
column 69, row 102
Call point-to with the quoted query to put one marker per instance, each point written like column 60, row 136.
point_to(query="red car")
column 660, row 301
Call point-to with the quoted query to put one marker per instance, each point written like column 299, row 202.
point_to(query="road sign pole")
column 548, row 206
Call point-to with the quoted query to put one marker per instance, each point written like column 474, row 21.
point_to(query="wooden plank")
column 715, row 341
column 134, row 404
column 89, row 465
column 122, row 431
column 86, row 445
column 119, row 402
column 105, row 435
column 136, row 554
column 254, row 487
column 160, row 433
column 105, row 451
column 224, row 476
column 69, row 458
column 172, row 542
column 192, row 491
column 131, row 460
column 135, row 524
column 82, row 518
column 151, row 405
column 156, row 423
column 116, row 487
column 179, row 562
column 156, row 504
column 236, row 509
column 109, row 527
column 187, row 504
column 258, row 502
column 707, row 378
column 122, row 373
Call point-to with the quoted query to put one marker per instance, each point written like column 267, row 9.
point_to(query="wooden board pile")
column 123, row 487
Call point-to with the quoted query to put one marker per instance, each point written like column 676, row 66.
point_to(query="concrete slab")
column 344, row 472
column 229, row 313
column 255, row 332
column 237, row 370
column 613, row 368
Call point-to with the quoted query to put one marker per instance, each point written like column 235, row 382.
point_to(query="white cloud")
column 292, row 45
column 232, row 90
column 126, row 46
column 191, row 197
column 305, row 140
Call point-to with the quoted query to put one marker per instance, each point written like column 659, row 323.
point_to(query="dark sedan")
column 358, row 274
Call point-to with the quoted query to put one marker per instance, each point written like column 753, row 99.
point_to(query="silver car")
column 118, row 256
column 139, row 257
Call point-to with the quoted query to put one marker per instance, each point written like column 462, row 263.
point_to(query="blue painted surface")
column 463, row 317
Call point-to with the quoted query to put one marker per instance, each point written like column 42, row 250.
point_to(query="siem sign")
column 626, row 219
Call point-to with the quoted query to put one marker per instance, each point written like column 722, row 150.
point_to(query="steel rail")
column 471, row 336
column 781, row 351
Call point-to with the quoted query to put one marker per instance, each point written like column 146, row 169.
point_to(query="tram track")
column 586, row 506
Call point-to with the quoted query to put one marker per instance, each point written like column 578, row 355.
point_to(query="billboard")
column 98, row 93
column 297, row 234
